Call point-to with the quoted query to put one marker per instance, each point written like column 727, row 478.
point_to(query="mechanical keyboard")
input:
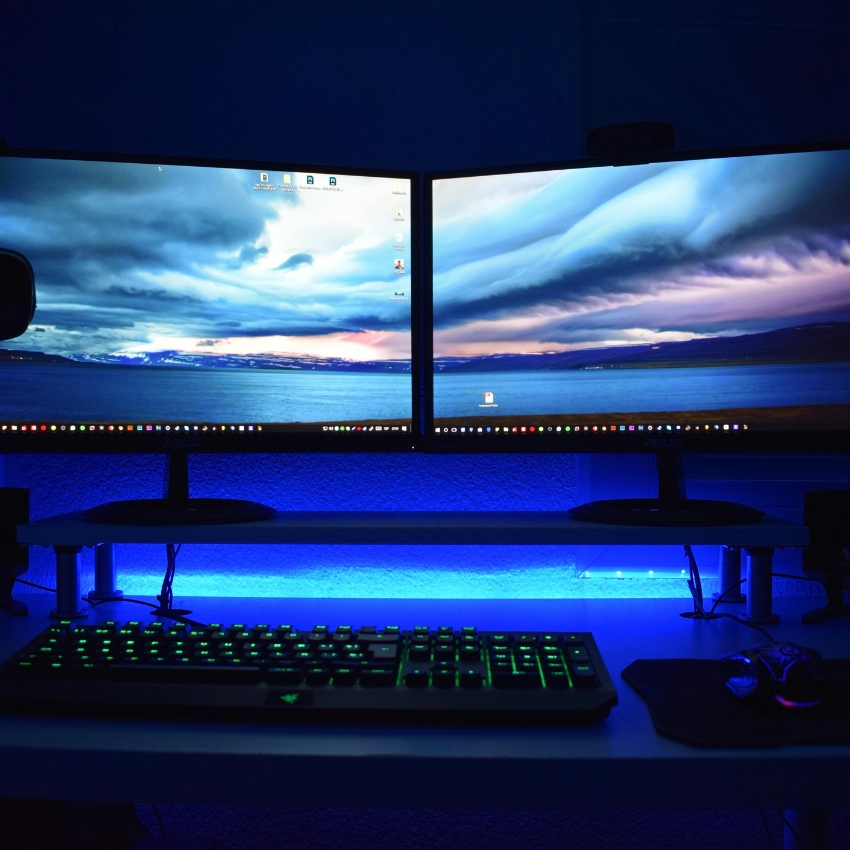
column 382, row 675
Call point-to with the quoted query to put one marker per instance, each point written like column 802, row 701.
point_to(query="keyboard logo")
column 290, row 698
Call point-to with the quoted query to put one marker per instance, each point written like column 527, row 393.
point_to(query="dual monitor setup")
column 695, row 302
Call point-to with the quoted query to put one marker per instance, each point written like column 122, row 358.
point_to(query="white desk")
column 619, row 763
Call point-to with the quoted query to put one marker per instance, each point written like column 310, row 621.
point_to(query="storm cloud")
column 296, row 260
column 131, row 256
column 616, row 255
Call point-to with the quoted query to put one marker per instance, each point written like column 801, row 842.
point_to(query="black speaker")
column 14, row 558
column 17, row 293
column 625, row 141
column 826, row 513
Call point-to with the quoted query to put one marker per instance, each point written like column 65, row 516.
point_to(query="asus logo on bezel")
column 182, row 443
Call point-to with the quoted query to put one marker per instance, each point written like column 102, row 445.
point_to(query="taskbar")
column 530, row 429
column 211, row 429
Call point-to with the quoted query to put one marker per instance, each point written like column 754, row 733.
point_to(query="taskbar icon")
column 361, row 428
column 126, row 428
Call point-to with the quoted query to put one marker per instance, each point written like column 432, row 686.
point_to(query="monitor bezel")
column 265, row 441
column 790, row 441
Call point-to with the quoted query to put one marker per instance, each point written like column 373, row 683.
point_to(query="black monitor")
column 190, row 305
column 697, row 302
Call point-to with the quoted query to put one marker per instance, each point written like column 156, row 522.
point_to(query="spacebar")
column 184, row 674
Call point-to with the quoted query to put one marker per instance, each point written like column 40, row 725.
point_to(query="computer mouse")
column 783, row 674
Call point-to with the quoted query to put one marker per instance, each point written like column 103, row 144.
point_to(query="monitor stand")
column 177, row 508
column 671, row 508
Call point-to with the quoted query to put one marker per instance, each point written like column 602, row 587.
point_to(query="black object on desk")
column 14, row 558
column 826, row 513
column 372, row 675
column 689, row 702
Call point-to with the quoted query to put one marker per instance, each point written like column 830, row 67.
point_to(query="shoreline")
column 788, row 417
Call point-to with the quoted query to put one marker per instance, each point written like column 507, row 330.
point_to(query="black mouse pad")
column 688, row 700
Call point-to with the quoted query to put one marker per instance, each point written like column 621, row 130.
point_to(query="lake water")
column 640, row 390
column 45, row 392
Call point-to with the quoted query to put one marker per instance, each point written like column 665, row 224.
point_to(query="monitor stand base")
column 654, row 512
column 828, row 612
column 184, row 512
column 671, row 508
column 177, row 508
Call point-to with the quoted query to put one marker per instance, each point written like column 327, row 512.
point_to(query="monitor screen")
column 703, row 299
column 253, row 305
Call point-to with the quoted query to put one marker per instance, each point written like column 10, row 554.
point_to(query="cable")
column 720, row 597
column 750, row 625
column 695, row 583
column 159, row 819
column 173, row 615
column 743, row 581
column 39, row 586
column 767, row 830
column 593, row 562
column 793, row 831
column 799, row 578
column 166, row 595
column 695, row 587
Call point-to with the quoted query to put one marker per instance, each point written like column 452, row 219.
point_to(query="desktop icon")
column 309, row 179
column 399, row 265
column 398, row 212
column 287, row 178
column 399, row 237
column 488, row 398
column 332, row 181
column 264, row 178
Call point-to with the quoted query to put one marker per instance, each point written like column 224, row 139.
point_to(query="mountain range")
column 820, row 342
column 177, row 359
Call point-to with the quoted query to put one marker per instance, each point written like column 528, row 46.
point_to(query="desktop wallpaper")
column 181, row 293
column 710, row 290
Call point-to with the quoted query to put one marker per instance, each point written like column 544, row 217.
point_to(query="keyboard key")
column 420, row 652
column 416, row 678
column 377, row 678
column 383, row 651
column 285, row 676
column 185, row 673
column 520, row 680
column 317, row 676
column 443, row 652
column 557, row 679
column 471, row 679
column 345, row 676
column 584, row 676
column 443, row 676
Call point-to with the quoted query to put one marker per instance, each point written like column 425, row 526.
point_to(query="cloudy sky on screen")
column 586, row 258
column 130, row 258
